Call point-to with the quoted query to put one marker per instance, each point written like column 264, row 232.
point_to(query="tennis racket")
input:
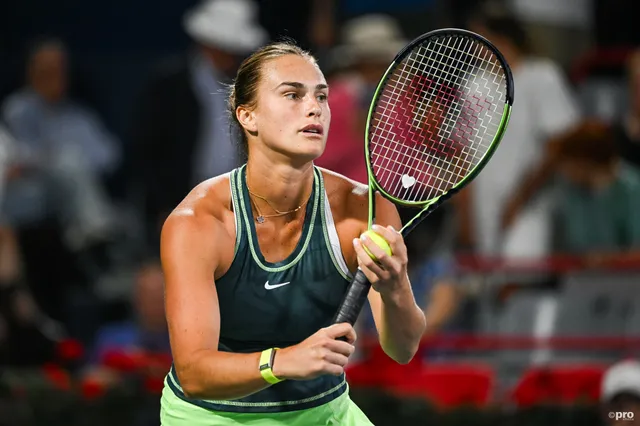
column 437, row 116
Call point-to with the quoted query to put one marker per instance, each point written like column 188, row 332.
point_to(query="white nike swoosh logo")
column 272, row 286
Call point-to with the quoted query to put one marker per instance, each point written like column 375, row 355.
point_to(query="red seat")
column 559, row 384
column 448, row 385
column 377, row 369
column 445, row 385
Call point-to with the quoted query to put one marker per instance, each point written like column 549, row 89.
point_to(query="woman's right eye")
column 292, row 96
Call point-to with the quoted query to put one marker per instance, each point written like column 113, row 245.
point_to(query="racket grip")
column 354, row 299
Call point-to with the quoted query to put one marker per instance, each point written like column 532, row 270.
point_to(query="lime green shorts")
column 339, row 412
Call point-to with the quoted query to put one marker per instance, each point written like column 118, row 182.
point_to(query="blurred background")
column 530, row 279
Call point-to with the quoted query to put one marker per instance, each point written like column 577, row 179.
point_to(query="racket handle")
column 354, row 299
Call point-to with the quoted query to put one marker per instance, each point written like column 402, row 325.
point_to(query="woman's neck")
column 277, row 186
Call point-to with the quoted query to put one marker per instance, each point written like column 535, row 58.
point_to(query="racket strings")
column 453, row 110
column 436, row 117
column 414, row 99
column 495, row 70
column 460, row 125
column 441, row 72
column 446, row 94
column 444, row 182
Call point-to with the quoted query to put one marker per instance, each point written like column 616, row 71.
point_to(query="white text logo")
column 621, row 415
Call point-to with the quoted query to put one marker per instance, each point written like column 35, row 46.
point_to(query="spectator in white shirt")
column 63, row 152
column 505, row 212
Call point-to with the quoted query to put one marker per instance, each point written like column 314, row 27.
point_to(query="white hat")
column 230, row 25
column 374, row 37
column 621, row 377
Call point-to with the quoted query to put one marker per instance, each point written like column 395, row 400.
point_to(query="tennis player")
column 257, row 261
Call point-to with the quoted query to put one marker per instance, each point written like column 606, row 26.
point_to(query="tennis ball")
column 379, row 241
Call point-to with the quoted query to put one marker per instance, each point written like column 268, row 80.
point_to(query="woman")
column 260, row 258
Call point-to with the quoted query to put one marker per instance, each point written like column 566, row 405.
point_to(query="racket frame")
column 429, row 205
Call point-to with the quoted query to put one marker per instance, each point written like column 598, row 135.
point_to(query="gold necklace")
column 261, row 217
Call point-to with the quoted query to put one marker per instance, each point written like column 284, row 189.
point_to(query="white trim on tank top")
column 334, row 240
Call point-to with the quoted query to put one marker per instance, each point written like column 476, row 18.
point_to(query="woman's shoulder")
column 339, row 185
column 349, row 199
column 208, row 205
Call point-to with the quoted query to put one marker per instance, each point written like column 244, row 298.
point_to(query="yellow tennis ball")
column 379, row 241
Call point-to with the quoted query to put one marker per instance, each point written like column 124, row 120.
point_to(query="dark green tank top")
column 264, row 305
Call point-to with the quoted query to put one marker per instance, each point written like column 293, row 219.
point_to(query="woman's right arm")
column 190, row 253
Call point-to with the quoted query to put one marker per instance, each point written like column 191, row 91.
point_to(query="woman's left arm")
column 399, row 320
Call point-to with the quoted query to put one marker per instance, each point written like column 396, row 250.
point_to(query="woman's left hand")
column 389, row 273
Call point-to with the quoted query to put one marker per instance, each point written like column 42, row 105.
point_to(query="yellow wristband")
column 266, row 364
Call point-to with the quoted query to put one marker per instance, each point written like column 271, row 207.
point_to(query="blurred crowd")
column 81, row 204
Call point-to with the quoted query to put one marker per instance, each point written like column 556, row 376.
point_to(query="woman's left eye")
column 322, row 97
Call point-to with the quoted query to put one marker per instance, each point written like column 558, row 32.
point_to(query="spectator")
column 598, row 196
column 181, row 132
column 620, row 393
column 53, row 198
column 63, row 151
column 136, row 352
column 145, row 333
column 561, row 29
column 10, row 268
column 414, row 16
column 27, row 336
column 505, row 212
column 437, row 282
column 628, row 130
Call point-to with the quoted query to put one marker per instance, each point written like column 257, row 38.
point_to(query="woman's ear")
column 247, row 119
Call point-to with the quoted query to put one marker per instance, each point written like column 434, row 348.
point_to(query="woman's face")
column 292, row 115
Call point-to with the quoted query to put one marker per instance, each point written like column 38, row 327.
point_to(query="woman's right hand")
column 319, row 354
